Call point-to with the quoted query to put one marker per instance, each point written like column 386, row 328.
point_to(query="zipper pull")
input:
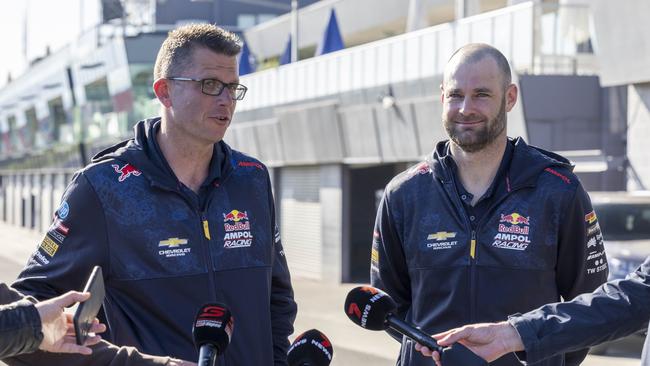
column 206, row 227
column 472, row 247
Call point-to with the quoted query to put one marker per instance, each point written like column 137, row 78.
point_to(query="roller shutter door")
column 300, row 226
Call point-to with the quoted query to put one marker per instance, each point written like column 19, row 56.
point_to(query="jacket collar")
column 526, row 164
column 143, row 153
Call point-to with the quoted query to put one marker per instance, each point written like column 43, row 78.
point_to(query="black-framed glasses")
column 215, row 87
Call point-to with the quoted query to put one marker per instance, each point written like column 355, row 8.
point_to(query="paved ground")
column 320, row 306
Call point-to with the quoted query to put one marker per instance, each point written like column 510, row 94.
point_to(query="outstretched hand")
column 58, row 328
column 488, row 340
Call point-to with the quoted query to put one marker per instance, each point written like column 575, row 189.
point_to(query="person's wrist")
column 510, row 337
column 33, row 318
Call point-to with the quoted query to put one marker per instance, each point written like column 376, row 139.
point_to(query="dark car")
column 624, row 219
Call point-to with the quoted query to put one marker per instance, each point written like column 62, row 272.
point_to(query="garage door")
column 300, row 222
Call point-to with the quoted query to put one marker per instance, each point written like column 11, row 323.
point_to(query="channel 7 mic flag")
column 374, row 309
column 311, row 348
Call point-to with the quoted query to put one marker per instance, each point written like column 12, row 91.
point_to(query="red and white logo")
column 125, row 171
column 237, row 226
column 513, row 232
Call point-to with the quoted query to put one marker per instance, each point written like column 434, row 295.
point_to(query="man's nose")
column 466, row 106
column 224, row 98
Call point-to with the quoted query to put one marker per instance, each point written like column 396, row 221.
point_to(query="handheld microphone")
column 212, row 330
column 373, row 309
column 312, row 348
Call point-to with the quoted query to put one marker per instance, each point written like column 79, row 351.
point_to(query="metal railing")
column 535, row 38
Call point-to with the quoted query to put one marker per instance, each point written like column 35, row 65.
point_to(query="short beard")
column 477, row 140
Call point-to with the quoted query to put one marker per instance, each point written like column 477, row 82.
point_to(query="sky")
column 51, row 23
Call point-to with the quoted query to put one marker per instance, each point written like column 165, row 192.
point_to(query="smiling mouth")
column 221, row 119
column 469, row 122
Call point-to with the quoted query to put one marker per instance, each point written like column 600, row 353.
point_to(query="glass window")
column 624, row 221
column 245, row 21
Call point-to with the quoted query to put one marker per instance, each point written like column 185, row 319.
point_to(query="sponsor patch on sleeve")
column 374, row 256
column 596, row 261
column 49, row 246
column 277, row 234
column 374, row 253
column 63, row 210
column 590, row 218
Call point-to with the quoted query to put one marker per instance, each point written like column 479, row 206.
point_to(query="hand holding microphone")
column 373, row 309
column 212, row 331
column 311, row 348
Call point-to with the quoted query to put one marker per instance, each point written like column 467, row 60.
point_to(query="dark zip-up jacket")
column 164, row 255
column 20, row 324
column 539, row 242
column 21, row 335
column 616, row 309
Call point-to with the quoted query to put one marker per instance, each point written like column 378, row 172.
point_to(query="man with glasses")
column 177, row 219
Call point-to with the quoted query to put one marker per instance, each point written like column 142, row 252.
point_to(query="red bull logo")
column 515, row 219
column 126, row 171
column 235, row 216
column 591, row 217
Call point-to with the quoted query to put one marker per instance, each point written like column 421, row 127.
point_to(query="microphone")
column 212, row 330
column 312, row 348
column 373, row 309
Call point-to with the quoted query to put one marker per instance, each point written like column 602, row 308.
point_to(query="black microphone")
column 312, row 348
column 373, row 309
column 212, row 331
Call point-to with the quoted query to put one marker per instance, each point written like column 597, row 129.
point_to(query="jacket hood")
column 527, row 161
column 137, row 152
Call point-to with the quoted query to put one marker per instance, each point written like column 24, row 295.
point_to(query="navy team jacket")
column 615, row 309
column 538, row 242
column 163, row 256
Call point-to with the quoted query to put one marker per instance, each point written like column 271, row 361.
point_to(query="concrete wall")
column 575, row 116
column 621, row 42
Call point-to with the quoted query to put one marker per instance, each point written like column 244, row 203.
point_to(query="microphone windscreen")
column 213, row 325
column 310, row 348
column 368, row 307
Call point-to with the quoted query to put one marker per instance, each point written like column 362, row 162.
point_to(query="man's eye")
column 454, row 96
column 208, row 83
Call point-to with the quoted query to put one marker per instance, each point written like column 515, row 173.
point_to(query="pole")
column 294, row 30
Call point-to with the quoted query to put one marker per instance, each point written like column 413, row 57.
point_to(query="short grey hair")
column 176, row 51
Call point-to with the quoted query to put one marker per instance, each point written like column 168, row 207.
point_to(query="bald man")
column 487, row 225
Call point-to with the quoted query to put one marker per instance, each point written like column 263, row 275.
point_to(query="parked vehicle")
column 624, row 219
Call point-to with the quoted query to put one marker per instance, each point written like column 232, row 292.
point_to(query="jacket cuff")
column 21, row 328
column 528, row 337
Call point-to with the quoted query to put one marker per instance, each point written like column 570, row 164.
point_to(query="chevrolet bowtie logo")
column 441, row 235
column 172, row 242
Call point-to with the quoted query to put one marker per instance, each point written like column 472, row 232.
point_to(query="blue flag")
column 285, row 58
column 332, row 40
column 246, row 61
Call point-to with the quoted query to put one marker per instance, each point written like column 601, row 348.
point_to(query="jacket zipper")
column 472, row 276
column 206, row 226
column 205, row 247
column 208, row 254
column 472, row 246
column 474, row 249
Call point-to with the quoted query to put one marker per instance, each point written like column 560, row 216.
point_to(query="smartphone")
column 87, row 310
